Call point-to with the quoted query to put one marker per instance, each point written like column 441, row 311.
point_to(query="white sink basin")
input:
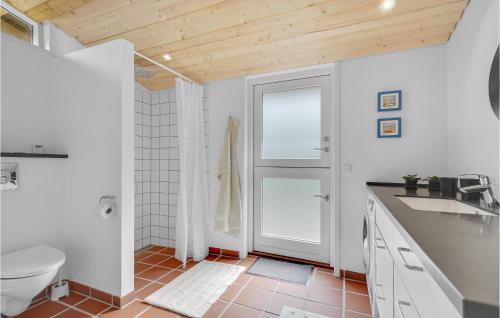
column 441, row 205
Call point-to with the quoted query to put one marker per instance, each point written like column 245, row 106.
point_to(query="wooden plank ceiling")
column 217, row 39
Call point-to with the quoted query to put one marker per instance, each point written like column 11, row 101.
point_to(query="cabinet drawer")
column 403, row 304
column 428, row 298
column 384, row 284
column 385, row 225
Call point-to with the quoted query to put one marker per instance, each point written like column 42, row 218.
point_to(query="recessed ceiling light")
column 387, row 5
column 167, row 57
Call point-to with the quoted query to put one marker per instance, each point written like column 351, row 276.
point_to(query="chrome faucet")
column 484, row 187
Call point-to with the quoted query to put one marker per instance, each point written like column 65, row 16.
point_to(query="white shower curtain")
column 192, row 211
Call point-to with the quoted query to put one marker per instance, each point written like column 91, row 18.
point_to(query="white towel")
column 228, row 216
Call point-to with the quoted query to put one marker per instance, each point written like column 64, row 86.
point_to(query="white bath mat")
column 193, row 292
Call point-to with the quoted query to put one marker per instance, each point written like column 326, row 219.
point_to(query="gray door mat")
column 281, row 270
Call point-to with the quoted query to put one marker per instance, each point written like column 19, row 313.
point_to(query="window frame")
column 35, row 35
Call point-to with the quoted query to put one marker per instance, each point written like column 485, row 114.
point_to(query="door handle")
column 325, row 149
column 325, row 197
column 405, row 263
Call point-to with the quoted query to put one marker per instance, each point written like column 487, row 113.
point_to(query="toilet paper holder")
column 106, row 197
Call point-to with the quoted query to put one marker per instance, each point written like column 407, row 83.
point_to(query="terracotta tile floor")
column 249, row 296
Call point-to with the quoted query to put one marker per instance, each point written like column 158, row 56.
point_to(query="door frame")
column 333, row 71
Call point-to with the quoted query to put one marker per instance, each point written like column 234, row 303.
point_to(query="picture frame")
column 389, row 127
column 389, row 101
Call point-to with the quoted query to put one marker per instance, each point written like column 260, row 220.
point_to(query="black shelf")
column 32, row 155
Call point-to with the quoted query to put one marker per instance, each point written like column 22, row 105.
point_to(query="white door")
column 291, row 168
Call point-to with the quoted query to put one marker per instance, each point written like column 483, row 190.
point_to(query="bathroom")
column 139, row 140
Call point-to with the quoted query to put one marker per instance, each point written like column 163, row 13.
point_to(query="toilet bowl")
column 25, row 273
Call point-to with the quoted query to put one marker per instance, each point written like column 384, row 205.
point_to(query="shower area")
column 157, row 167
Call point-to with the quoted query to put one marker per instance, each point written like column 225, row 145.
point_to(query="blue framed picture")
column 389, row 101
column 389, row 127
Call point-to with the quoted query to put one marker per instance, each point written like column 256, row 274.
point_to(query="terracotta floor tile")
column 171, row 263
column 154, row 312
column 139, row 267
column 268, row 315
column 243, row 279
column 247, row 262
column 155, row 259
column 170, row 276
column 129, row 311
column 325, row 295
column 211, row 257
column 71, row 313
column 92, row 306
column 231, row 292
column 215, row 310
column 264, row 283
column 358, row 303
column 146, row 291
column 279, row 300
column 44, row 310
column 323, row 309
column 228, row 260
column 167, row 251
column 327, row 279
column 350, row 314
column 189, row 265
column 356, row 287
column 295, row 290
column 72, row 299
column 38, row 302
column 154, row 248
column 140, row 283
column 154, row 273
column 253, row 297
column 235, row 311
column 142, row 254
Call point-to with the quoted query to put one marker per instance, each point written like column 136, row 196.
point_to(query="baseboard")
column 223, row 252
column 353, row 275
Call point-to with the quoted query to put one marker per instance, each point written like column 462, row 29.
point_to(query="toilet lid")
column 32, row 261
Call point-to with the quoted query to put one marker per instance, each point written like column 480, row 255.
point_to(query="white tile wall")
column 157, row 169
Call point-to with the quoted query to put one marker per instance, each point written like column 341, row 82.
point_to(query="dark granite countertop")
column 460, row 251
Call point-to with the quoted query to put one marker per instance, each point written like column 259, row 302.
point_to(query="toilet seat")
column 32, row 261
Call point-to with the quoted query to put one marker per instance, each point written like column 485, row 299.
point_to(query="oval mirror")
column 494, row 85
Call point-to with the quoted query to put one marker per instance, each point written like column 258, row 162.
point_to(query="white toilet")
column 25, row 274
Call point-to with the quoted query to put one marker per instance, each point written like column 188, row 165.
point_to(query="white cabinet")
column 403, row 304
column 403, row 286
column 384, row 276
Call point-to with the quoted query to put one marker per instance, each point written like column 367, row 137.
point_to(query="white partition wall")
column 93, row 90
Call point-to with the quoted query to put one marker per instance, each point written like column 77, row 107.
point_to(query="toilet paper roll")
column 107, row 209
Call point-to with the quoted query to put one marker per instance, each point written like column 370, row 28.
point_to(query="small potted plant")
column 434, row 183
column 411, row 181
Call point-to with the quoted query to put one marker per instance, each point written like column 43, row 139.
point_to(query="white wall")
column 472, row 125
column 57, row 41
column 80, row 104
column 27, row 113
column 93, row 89
column 225, row 98
column 421, row 74
column 39, row 219
column 26, row 119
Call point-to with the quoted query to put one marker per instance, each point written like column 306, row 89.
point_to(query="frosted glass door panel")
column 291, row 124
column 290, row 210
